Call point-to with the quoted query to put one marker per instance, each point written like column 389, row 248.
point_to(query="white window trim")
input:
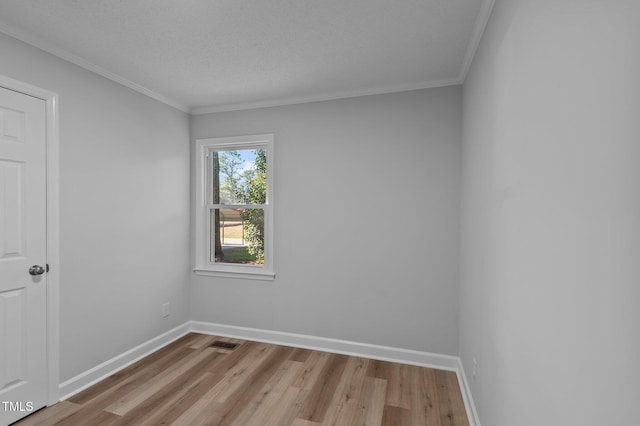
column 204, row 265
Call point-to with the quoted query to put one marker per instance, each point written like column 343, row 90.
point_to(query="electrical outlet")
column 474, row 372
column 165, row 310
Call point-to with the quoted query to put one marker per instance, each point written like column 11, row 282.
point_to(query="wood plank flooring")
column 189, row 382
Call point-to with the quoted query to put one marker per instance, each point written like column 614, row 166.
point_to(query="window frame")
column 203, row 207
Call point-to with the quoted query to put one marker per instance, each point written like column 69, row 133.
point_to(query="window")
column 234, row 207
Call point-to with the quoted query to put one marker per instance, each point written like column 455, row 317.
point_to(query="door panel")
column 23, row 297
column 11, row 178
column 12, row 329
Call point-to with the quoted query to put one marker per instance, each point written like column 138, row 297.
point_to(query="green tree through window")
column 240, row 178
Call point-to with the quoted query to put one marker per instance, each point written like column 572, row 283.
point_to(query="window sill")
column 255, row 274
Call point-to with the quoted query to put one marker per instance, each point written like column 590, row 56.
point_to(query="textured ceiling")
column 209, row 55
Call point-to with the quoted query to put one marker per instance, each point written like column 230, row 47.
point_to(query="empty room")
column 302, row 212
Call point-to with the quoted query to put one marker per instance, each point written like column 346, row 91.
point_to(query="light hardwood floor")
column 189, row 382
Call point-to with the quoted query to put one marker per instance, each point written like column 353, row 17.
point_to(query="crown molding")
column 48, row 47
column 481, row 24
column 324, row 97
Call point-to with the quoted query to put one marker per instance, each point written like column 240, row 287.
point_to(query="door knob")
column 36, row 270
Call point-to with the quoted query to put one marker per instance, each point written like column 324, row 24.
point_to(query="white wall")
column 550, row 275
column 124, row 188
column 366, row 225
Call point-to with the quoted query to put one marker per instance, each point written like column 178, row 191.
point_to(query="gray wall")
column 550, row 267
column 124, row 201
column 366, row 221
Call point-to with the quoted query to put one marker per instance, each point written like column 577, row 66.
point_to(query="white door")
column 23, row 294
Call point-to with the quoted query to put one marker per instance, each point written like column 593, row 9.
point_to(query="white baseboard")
column 469, row 405
column 365, row 350
column 100, row 372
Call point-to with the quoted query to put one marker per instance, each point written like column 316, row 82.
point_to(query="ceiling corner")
column 481, row 24
column 45, row 46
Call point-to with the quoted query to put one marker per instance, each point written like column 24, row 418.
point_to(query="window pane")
column 239, row 176
column 237, row 236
